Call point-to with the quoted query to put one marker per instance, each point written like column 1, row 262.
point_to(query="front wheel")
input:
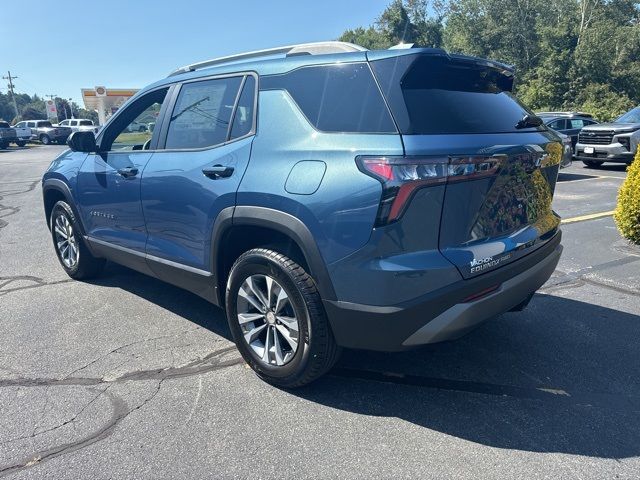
column 21, row 143
column 45, row 139
column 277, row 319
column 75, row 258
column 592, row 163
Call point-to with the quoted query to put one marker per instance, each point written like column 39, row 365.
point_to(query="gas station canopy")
column 106, row 101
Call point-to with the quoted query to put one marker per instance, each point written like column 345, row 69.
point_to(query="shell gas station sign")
column 106, row 101
column 52, row 111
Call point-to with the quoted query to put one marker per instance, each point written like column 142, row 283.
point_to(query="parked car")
column 79, row 125
column 7, row 134
column 45, row 132
column 567, row 150
column 378, row 215
column 615, row 141
column 23, row 135
column 567, row 123
column 137, row 127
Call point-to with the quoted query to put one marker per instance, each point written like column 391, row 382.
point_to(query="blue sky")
column 65, row 45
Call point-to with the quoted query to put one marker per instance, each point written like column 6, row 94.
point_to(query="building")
column 106, row 101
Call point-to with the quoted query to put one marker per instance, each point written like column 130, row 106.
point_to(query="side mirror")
column 82, row 142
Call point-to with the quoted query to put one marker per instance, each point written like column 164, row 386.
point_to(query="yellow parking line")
column 591, row 216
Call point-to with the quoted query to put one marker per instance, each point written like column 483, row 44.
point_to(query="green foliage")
column 627, row 214
column 568, row 54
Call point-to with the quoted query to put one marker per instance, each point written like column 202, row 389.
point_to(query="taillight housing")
column 401, row 177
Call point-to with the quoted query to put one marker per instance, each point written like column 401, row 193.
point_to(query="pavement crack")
column 120, row 409
column 35, row 282
column 202, row 365
column 7, row 210
column 122, row 347
column 565, row 280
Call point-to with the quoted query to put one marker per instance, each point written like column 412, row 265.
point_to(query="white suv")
column 79, row 125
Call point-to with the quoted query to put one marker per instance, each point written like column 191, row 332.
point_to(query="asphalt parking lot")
column 127, row 377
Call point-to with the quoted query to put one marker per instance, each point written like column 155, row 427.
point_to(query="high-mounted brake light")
column 402, row 176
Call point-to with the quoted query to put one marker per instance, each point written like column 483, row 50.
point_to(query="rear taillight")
column 402, row 176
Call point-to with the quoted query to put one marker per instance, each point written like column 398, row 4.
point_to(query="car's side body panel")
column 341, row 212
column 181, row 204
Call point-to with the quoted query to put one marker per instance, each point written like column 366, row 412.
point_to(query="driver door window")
column 130, row 130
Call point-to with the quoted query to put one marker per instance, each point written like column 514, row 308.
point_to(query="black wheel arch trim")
column 61, row 187
column 279, row 221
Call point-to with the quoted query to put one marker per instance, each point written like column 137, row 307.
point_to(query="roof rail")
column 314, row 48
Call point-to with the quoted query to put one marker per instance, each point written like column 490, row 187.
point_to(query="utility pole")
column 13, row 97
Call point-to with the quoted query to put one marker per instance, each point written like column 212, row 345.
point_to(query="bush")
column 627, row 214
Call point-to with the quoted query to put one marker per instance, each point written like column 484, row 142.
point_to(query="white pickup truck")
column 23, row 135
column 9, row 134
column 79, row 125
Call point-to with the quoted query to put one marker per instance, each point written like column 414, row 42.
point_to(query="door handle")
column 128, row 172
column 218, row 171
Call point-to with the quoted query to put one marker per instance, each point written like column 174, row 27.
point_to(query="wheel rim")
column 268, row 320
column 66, row 243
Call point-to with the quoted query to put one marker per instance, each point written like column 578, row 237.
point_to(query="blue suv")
column 325, row 195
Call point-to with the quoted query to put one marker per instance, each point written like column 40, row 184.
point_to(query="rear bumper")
column 443, row 314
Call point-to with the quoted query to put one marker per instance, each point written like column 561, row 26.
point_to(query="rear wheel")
column 277, row 319
column 592, row 163
column 45, row 139
column 75, row 258
column 21, row 143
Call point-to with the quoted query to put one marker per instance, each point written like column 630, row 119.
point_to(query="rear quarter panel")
column 341, row 212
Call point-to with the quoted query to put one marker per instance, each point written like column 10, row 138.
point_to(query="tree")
column 568, row 54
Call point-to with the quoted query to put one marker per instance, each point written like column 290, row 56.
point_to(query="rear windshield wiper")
column 529, row 121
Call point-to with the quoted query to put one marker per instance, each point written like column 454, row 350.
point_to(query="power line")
column 13, row 97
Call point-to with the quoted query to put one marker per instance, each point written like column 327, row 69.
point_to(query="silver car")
column 615, row 141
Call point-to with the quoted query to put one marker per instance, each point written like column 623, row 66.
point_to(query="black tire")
column 21, row 144
column 317, row 351
column 45, row 139
column 592, row 163
column 3, row 145
column 87, row 266
column 142, row 129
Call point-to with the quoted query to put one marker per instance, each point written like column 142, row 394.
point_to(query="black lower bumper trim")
column 387, row 328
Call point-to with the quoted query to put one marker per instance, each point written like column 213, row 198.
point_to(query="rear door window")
column 201, row 117
column 430, row 94
column 336, row 98
column 558, row 124
column 244, row 115
column 576, row 123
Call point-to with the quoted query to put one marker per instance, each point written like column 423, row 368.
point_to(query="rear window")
column 44, row 124
column 4, row 125
column 438, row 95
column 85, row 123
column 336, row 98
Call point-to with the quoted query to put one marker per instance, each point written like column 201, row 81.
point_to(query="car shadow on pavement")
column 562, row 376
column 176, row 300
column 613, row 167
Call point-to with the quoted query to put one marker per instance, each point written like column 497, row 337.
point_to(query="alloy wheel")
column 66, row 241
column 268, row 320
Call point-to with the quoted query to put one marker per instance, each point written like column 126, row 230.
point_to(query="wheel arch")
column 54, row 190
column 238, row 229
